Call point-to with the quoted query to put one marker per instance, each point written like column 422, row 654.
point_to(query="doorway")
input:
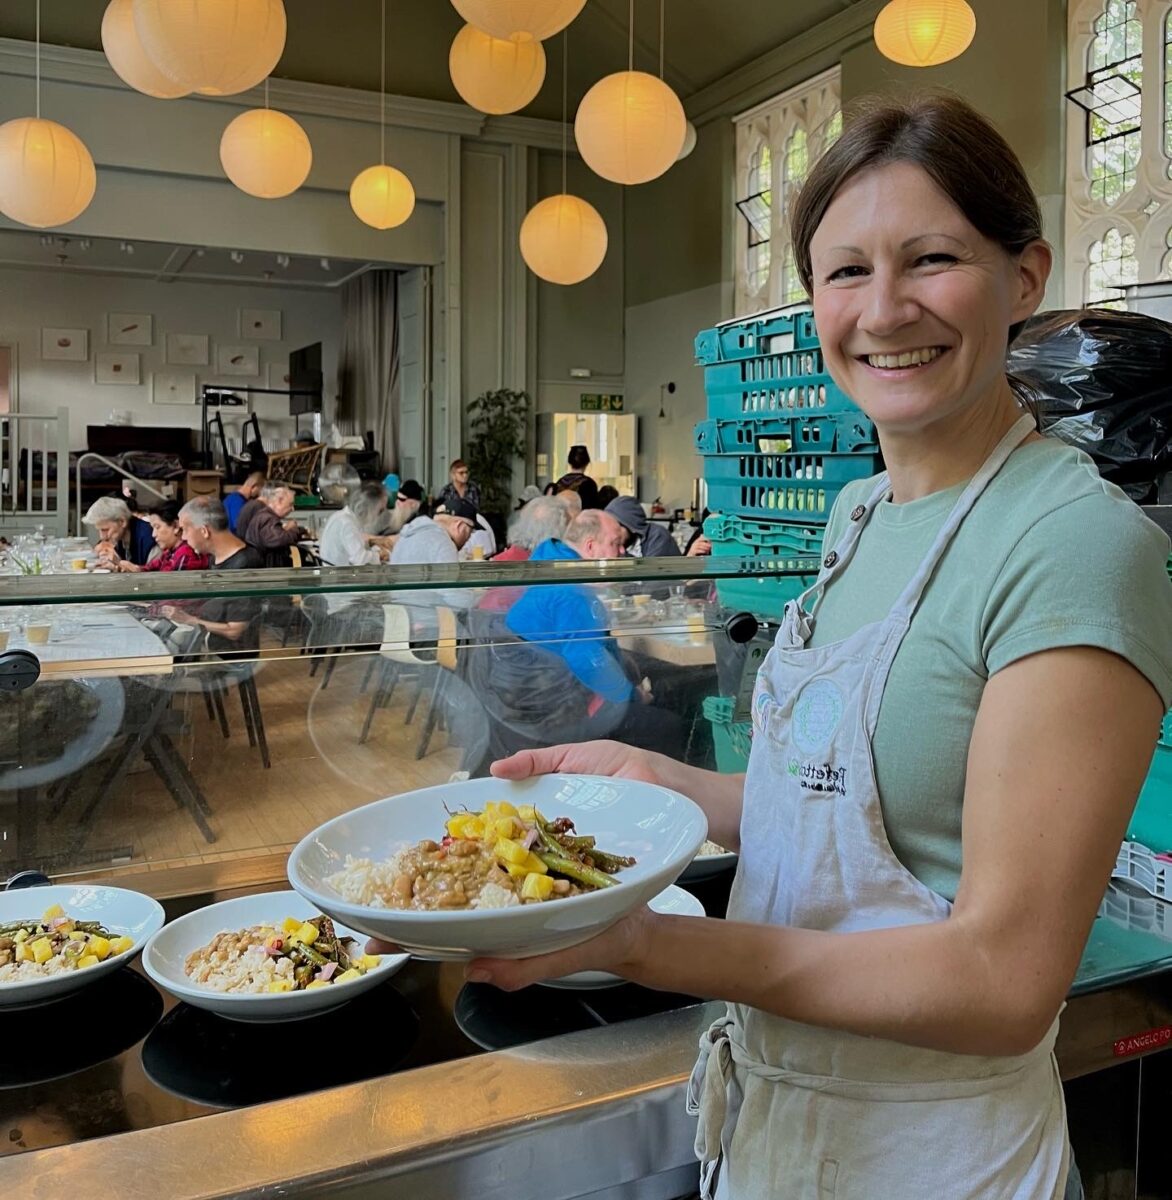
column 611, row 438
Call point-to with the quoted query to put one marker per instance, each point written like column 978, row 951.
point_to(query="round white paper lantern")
column 47, row 175
column 126, row 55
column 689, row 143
column 266, row 153
column 494, row 75
column 218, row 47
column 924, row 33
column 382, row 196
column 519, row 20
column 563, row 239
column 630, row 127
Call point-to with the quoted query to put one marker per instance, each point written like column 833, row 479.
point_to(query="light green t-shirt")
column 1050, row 556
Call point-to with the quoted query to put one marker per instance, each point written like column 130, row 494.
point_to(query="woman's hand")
column 701, row 545
column 124, row 566
column 583, row 758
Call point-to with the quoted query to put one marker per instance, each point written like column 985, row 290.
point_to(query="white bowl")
column 130, row 914
column 660, row 828
column 707, row 866
column 166, row 953
column 673, row 900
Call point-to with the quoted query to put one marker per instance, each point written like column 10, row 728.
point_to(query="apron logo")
column 817, row 712
column 818, row 777
column 762, row 702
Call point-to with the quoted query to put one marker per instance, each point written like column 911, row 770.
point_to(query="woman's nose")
column 888, row 305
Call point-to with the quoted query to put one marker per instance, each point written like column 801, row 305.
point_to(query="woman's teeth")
column 909, row 358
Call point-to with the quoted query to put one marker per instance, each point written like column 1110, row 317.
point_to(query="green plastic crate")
column 781, row 546
column 731, row 739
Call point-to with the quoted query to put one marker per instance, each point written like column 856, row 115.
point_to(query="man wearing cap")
column 436, row 539
column 408, row 498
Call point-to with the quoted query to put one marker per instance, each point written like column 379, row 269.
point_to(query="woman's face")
column 167, row 537
column 459, row 476
column 913, row 304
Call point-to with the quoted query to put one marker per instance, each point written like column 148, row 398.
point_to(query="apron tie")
column 714, row 1096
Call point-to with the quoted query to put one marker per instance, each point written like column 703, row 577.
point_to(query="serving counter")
column 159, row 763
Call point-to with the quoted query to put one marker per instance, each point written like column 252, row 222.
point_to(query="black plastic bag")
column 1102, row 381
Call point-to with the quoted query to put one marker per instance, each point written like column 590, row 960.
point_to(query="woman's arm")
column 1059, row 751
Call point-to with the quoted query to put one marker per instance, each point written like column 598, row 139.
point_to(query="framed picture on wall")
column 238, row 360
column 172, row 387
column 129, row 329
column 65, row 345
column 187, row 349
column 279, row 375
column 261, row 324
column 113, row 366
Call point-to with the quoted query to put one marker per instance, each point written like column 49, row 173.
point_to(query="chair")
column 295, row 468
column 398, row 657
column 445, row 658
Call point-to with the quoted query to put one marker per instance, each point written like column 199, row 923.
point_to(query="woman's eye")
column 933, row 260
column 853, row 272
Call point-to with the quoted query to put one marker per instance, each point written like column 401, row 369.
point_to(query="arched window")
column 794, row 168
column 758, row 206
column 1113, row 148
column 1113, row 266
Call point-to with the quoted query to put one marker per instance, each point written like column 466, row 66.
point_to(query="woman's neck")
column 947, row 452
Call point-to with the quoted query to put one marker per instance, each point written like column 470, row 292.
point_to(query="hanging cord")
column 382, row 93
column 266, row 93
column 661, row 3
column 565, row 102
column 38, row 60
column 631, row 40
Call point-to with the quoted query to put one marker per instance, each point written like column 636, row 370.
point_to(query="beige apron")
column 789, row 1110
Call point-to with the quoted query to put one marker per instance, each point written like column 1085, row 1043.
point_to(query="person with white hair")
column 350, row 538
column 264, row 524
column 541, row 519
column 121, row 535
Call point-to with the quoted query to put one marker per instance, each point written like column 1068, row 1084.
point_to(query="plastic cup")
column 78, row 564
column 478, row 553
column 37, row 635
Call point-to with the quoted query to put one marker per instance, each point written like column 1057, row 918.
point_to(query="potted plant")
column 497, row 421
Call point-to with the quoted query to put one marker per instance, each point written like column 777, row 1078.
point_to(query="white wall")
column 660, row 336
column 31, row 300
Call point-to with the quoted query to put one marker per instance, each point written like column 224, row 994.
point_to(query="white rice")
column 22, row 972
column 363, row 881
column 710, row 848
column 251, row 971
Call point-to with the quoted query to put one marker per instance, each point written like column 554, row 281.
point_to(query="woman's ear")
column 1033, row 272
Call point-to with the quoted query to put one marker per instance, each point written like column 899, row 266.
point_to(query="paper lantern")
column 126, row 55
column 923, row 33
column 630, row 127
column 266, row 153
column 47, row 175
column 382, row 196
column 494, row 75
column 563, row 239
column 519, row 20
column 217, row 47
column 689, row 145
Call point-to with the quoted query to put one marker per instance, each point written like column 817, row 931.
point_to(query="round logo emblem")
column 816, row 715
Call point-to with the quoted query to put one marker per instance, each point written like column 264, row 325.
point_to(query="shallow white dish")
column 130, row 914
column 660, row 828
column 673, row 900
column 707, row 866
column 166, row 953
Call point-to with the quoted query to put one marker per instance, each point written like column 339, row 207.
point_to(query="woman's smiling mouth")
column 904, row 359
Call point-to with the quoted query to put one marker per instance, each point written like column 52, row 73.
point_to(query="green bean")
column 573, row 869
column 610, row 863
column 309, row 953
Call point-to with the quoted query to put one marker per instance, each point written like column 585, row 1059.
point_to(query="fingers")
column 526, row 763
column 374, row 946
column 510, row 975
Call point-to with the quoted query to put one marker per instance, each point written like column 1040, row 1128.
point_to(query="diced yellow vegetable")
column 533, row 863
column 537, row 887
column 347, row 976
column 506, row 809
column 491, row 811
column 506, row 827
column 368, row 962
column 316, row 984
column 21, row 935
column 119, row 945
column 290, row 925
column 24, row 952
column 509, row 851
column 280, row 985
column 42, row 950
column 517, row 870
column 87, row 960
column 527, row 812
column 98, row 946
column 306, row 932
column 465, row 825
column 54, row 910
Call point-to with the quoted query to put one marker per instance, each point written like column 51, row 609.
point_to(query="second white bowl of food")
column 241, row 960
column 354, row 866
column 673, row 901
column 712, row 860
column 72, row 935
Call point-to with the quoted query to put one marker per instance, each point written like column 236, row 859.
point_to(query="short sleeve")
column 1091, row 573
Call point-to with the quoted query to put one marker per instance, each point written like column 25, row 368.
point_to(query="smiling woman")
column 926, row 829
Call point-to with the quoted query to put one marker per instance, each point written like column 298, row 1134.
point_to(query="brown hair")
column 958, row 148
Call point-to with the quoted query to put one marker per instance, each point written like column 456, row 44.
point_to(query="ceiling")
column 25, row 249
column 336, row 42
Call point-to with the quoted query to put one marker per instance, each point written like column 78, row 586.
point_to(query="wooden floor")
column 318, row 771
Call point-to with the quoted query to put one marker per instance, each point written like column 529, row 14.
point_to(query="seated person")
column 349, row 538
column 606, row 494
column 174, row 553
column 408, row 501
column 647, row 538
column 238, row 497
column 231, row 622
column 437, row 539
column 482, row 543
column 121, row 534
column 263, row 523
column 568, row 653
column 540, row 520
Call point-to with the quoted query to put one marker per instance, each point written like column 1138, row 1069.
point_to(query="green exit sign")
column 598, row 403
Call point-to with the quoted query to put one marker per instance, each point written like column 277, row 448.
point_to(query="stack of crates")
column 780, row 443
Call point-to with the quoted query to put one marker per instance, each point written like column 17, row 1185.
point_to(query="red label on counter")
column 1140, row 1043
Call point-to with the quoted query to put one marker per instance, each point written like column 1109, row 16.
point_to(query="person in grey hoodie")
column 436, row 539
column 650, row 538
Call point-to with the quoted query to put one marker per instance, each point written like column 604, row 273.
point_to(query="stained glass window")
column 1114, row 148
column 1113, row 266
